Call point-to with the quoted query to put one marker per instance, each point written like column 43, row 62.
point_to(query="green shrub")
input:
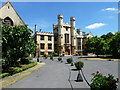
column 100, row 82
column 4, row 75
column 55, row 54
column 30, row 58
column 79, row 65
column 69, row 60
column 13, row 70
column 59, row 59
column 51, row 57
column 24, row 61
column 10, row 70
column 45, row 56
column 29, row 66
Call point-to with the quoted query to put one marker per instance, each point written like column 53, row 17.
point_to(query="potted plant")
column 79, row 65
column 100, row 82
column 59, row 59
column 69, row 60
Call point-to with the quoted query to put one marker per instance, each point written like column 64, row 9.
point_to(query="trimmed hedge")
column 79, row 65
column 14, row 70
column 69, row 60
column 51, row 57
column 59, row 59
column 55, row 54
column 4, row 75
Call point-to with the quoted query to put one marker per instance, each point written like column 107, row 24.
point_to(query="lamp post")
column 38, row 54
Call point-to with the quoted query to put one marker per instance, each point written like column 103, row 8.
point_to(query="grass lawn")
column 6, row 81
column 102, row 59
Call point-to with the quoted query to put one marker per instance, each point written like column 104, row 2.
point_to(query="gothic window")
column 66, row 38
column 8, row 7
column 79, row 43
column 56, row 36
column 7, row 22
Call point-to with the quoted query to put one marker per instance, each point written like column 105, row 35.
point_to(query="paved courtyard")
column 59, row 75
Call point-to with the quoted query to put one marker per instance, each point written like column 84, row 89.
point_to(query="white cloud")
column 109, row 9
column 95, row 25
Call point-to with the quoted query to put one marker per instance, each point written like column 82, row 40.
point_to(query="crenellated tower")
column 73, row 35
column 60, row 35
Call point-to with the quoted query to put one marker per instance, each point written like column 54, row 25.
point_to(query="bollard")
column 37, row 59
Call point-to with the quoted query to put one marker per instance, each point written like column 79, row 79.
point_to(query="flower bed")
column 100, row 82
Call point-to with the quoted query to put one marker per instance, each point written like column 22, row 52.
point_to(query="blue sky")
column 96, row 17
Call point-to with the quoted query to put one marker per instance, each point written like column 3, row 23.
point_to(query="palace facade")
column 65, row 39
column 68, row 40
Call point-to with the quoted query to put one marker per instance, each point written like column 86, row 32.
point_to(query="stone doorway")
column 67, row 52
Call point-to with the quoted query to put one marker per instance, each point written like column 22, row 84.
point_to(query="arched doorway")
column 7, row 21
column 67, row 50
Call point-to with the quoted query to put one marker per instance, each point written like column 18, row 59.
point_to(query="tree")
column 17, row 44
column 107, row 36
column 108, row 44
column 115, row 45
column 94, row 45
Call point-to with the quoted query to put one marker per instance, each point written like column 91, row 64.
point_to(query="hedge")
column 69, row 60
column 17, row 70
column 4, row 75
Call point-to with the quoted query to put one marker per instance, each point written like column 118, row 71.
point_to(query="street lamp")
column 38, row 54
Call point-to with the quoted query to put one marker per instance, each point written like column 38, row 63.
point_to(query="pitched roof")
column 8, row 2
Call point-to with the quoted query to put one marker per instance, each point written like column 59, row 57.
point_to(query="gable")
column 7, row 10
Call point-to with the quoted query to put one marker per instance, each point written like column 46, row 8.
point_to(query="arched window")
column 8, row 21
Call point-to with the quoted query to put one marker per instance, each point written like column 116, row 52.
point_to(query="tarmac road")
column 56, row 75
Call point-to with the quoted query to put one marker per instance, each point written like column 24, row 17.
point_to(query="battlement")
column 44, row 33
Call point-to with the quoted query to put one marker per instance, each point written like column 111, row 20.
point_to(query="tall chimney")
column 35, row 27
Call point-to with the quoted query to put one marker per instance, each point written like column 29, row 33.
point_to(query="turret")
column 79, row 31
column 73, row 38
column 72, row 21
column 60, row 19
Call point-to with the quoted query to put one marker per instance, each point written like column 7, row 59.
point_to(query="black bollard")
column 37, row 59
